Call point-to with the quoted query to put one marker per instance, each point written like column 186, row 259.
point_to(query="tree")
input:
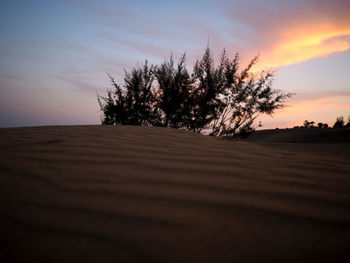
column 309, row 124
column 348, row 124
column 139, row 96
column 133, row 104
column 217, row 100
column 339, row 123
column 173, row 98
column 244, row 96
column 209, row 83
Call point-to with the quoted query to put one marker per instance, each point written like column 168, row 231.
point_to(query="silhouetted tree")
column 309, row 124
column 133, row 104
column 139, row 96
column 244, row 96
column 348, row 124
column 339, row 123
column 322, row 125
column 114, row 105
column 210, row 85
column 218, row 100
column 174, row 95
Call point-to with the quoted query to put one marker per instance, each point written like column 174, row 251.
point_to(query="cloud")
column 80, row 86
column 9, row 76
column 288, row 32
column 282, row 32
column 125, row 19
column 136, row 44
column 304, row 45
column 103, row 10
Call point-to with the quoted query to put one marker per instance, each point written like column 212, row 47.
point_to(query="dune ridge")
column 302, row 135
column 149, row 194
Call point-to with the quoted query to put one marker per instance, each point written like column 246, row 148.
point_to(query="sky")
column 55, row 55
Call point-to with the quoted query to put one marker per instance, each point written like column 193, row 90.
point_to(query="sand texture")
column 302, row 135
column 147, row 194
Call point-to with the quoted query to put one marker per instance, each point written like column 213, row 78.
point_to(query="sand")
column 302, row 135
column 147, row 194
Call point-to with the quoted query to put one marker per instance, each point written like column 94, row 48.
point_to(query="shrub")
column 309, row 124
column 217, row 100
column 339, row 123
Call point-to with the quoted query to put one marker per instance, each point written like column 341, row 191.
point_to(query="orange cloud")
column 303, row 45
column 288, row 32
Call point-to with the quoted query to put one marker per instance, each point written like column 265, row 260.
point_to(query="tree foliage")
column 322, row 125
column 134, row 103
column 219, row 100
column 309, row 124
column 340, row 122
column 173, row 97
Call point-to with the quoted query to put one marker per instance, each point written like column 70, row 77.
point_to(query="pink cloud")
column 290, row 32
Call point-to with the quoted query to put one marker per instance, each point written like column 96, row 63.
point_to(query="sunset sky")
column 55, row 55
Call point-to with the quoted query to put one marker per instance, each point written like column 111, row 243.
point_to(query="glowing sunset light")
column 319, row 110
column 295, row 48
column 305, row 106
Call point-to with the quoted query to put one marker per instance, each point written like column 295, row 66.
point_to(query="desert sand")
column 147, row 194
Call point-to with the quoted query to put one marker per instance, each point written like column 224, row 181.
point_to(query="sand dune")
column 302, row 135
column 147, row 194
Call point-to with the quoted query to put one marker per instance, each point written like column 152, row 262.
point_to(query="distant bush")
column 322, row 125
column 309, row 124
column 217, row 100
column 340, row 122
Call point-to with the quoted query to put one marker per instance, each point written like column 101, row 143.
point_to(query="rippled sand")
column 147, row 194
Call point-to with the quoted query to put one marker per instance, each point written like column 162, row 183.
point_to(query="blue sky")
column 55, row 55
